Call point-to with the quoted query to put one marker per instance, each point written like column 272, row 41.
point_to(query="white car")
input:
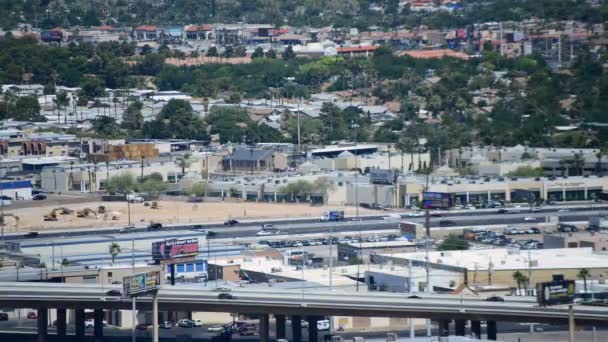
column 215, row 329
column 89, row 323
column 415, row 214
column 197, row 322
column 263, row 233
column 323, row 325
column 528, row 218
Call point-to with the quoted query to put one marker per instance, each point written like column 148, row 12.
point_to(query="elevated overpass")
column 282, row 303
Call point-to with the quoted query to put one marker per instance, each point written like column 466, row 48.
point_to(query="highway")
column 292, row 227
column 287, row 302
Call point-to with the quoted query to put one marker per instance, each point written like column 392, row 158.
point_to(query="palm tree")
column 184, row 163
column 520, row 278
column 584, row 274
column 114, row 250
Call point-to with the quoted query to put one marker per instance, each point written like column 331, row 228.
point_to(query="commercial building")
column 92, row 177
column 252, row 159
column 18, row 190
column 367, row 250
column 496, row 266
column 598, row 241
column 135, row 151
column 404, row 279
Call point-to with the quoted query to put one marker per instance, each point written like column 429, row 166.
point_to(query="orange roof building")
column 440, row 53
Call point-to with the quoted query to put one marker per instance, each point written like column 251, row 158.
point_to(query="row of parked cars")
column 497, row 239
column 325, row 241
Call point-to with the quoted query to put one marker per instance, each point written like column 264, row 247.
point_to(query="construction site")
column 120, row 214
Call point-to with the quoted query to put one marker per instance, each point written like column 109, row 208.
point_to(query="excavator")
column 101, row 209
column 3, row 221
column 85, row 212
column 52, row 216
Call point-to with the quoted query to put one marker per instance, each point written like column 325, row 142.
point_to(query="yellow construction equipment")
column 3, row 222
column 85, row 212
column 52, row 216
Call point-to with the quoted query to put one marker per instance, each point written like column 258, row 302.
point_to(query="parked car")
column 166, row 325
column 39, row 197
column 323, row 325
column 230, row 222
column 32, row 315
column 89, row 323
column 3, row 316
column 142, row 326
column 31, row 235
column 185, row 323
column 215, row 329
column 197, row 322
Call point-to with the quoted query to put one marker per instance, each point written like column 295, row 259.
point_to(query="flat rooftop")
column 513, row 259
column 383, row 244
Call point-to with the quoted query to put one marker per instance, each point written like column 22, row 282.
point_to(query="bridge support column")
column 296, row 328
column 313, row 331
column 98, row 324
column 444, row 327
column 476, row 329
column 43, row 322
column 492, row 331
column 460, row 327
column 264, row 328
column 79, row 322
column 61, row 322
column 280, row 325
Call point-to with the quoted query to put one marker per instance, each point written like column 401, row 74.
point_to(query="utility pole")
column 571, row 323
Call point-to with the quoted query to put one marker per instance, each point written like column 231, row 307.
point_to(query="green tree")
column 288, row 53
column 122, row 184
column 152, row 186
column 212, row 52
column 584, row 274
column 527, row 171
column 133, row 118
column 258, row 53
column 114, row 250
column 297, row 189
column 198, row 189
column 271, row 54
column 176, row 120
column 92, row 87
column 453, row 242
column 184, row 162
column 106, row 127
column 27, row 108
column 521, row 280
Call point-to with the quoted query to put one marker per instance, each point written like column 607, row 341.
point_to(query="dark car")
column 414, row 297
column 31, row 235
column 495, row 299
column 114, row 293
column 502, row 211
column 535, row 230
column 155, row 226
column 231, row 223
column 142, row 326
column 225, row 295
column 3, row 316
column 39, row 197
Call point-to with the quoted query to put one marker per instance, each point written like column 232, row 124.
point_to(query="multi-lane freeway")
column 317, row 303
column 368, row 223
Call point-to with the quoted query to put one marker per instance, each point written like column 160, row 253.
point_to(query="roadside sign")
column 555, row 292
column 174, row 249
column 436, row 200
column 141, row 283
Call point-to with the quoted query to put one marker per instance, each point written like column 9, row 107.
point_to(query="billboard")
column 141, row 283
column 383, row 176
column 174, row 249
column 555, row 292
column 436, row 200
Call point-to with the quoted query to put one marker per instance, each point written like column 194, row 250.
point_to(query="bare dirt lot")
column 31, row 219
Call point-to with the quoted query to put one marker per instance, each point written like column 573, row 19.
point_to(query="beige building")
column 496, row 266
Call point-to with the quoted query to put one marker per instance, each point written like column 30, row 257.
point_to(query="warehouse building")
column 495, row 267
